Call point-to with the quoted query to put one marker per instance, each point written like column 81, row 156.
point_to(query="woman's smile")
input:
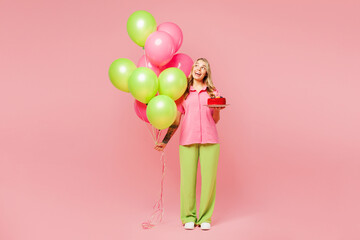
column 197, row 73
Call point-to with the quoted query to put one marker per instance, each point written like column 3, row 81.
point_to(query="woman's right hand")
column 160, row 146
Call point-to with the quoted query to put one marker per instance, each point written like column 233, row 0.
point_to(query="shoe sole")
column 205, row 228
column 189, row 228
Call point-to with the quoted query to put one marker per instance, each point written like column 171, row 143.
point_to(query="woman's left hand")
column 216, row 113
column 218, row 108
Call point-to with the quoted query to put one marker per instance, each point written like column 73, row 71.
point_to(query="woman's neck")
column 198, row 84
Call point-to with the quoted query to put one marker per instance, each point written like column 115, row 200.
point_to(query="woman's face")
column 199, row 70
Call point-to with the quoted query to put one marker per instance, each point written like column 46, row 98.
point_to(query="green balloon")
column 139, row 26
column 143, row 84
column 161, row 111
column 120, row 71
column 172, row 83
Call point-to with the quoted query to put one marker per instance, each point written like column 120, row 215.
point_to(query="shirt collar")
column 193, row 89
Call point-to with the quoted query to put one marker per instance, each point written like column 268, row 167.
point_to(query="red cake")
column 217, row 101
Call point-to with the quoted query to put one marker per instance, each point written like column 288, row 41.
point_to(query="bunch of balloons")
column 160, row 76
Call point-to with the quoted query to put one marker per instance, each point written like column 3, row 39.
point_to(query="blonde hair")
column 207, row 79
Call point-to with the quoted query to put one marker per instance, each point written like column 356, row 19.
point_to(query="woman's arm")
column 170, row 132
column 216, row 113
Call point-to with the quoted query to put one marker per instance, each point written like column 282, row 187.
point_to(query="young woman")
column 198, row 140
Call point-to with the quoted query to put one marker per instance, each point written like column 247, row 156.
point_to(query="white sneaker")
column 189, row 225
column 205, row 226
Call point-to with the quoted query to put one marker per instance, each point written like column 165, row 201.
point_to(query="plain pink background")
column 77, row 163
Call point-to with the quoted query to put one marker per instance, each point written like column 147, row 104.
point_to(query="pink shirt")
column 198, row 125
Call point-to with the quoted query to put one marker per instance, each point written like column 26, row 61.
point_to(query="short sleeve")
column 180, row 105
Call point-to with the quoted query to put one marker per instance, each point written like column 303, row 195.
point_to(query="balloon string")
column 146, row 62
column 149, row 128
column 159, row 135
column 158, row 213
column 158, row 208
column 153, row 131
column 147, row 125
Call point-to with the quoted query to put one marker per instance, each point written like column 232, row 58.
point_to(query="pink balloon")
column 181, row 61
column 142, row 63
column 159, row 48
column 140, row 110
column 174, row 31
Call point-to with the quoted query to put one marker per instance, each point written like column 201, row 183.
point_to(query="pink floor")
column 74, row 207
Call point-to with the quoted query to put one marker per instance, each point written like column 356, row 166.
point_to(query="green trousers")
column 209, row 158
